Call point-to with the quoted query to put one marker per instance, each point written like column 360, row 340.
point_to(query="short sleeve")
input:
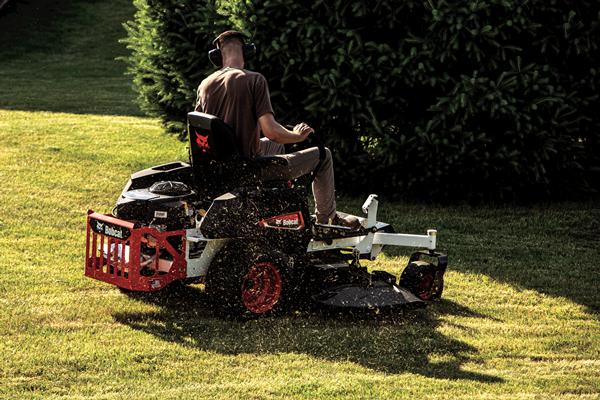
column 199, row 106
column 262, row 98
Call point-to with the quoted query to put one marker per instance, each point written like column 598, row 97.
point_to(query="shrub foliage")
column 168, row 40
column 443, row 99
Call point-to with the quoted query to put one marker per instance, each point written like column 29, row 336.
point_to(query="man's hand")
column 303, row 130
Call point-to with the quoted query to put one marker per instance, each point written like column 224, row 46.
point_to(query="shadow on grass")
column 551, row 249
column 405, row 342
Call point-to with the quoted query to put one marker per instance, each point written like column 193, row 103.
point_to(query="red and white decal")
column 202, row 142
column 293, row 221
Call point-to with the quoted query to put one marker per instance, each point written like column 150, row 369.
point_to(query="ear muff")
column 249, row 51
column 216, row 58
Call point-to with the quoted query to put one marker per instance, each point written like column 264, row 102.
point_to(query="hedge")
column 443, row 100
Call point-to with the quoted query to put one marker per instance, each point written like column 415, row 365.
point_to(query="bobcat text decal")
column 107, row 229
column 292, row 221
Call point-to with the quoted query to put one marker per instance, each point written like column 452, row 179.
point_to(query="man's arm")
column 277, row 133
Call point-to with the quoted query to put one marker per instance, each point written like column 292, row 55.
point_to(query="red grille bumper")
column 130, row 257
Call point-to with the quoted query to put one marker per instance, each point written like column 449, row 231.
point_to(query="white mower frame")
column 369, row 245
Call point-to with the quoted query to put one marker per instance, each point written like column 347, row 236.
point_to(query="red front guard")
column 113, row 254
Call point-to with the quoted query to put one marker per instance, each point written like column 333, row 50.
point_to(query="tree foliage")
column 478, row 99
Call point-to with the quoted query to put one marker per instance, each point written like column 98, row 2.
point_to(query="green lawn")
column 60, row 56
column 518, row 319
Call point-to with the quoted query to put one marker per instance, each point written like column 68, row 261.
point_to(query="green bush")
column 169, row 40
column 456, row 99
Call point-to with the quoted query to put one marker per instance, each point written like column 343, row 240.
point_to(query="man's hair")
column 228, row 37
column 230, row 40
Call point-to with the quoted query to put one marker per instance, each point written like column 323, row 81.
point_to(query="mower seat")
column 216, row 160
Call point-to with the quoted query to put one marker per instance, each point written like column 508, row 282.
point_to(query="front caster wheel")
column 423, row 280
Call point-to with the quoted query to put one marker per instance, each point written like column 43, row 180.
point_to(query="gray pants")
column 301, row 163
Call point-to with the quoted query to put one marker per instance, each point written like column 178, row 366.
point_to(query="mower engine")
column 166, row 205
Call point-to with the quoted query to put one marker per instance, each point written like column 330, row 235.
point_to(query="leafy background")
column 475, row 100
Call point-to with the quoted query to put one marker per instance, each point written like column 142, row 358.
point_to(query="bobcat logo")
column 99, row 226
column 202, row 142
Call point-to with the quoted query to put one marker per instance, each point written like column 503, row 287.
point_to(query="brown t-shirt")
column 239, row 97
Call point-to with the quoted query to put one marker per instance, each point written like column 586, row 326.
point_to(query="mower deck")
column 377, row 295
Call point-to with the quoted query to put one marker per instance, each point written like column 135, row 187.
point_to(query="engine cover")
column 152, row 206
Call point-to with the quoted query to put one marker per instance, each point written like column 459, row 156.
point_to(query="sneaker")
column 348, row 222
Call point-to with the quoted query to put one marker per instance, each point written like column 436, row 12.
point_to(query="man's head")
column 231, row 45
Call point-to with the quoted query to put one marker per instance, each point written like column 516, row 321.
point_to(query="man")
column 241, row 99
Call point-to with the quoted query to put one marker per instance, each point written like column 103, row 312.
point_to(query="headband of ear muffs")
column 215, row 56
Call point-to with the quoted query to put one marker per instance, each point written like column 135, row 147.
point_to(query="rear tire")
column 423, row 280
column 247, row 280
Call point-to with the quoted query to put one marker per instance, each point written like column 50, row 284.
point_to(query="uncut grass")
column 498, row 332
column 60, row 56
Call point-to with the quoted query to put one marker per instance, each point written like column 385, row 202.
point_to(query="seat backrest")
column 211, row 139
column 216, row 161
